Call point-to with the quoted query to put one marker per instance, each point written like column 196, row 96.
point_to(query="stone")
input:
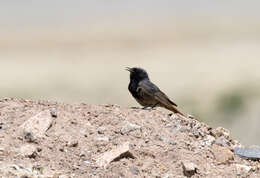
column 129, row 127
column 3, row 126
column 36, row 126
column 53, row 112
column 189, row 168
column 190, row 116
column 71, row 141
column 167, row 140
column 164, row 119
column 28, row 151
column 176, row 129
column 101, row 130
column 2, row 150
column 167, row 175
column 243, row 169
column 249, row 153
column 134, row 170
column 64, row 176
column 209, row 140
column 222, row 154
column 104, row 139
column 87, row 162
column 115, row 154
column 220, row 131
column 222, row 141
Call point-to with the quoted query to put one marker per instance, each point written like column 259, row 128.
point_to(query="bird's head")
column 137, row 74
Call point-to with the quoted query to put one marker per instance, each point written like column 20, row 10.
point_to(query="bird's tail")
column 175, row 110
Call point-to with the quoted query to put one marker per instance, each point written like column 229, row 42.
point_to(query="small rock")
column 115, row 154
column 189, row 168
column 2, row 150
column 249, row 153
column 209, row 140
column 222, row 141
column 64, row 176
column 29, row 137
column 87, row 162
column 39, row 149
column 169, row 125
column 53, row 112
column 184, row 129
column 134, row 170
column 61, row 149
column 104, row 139
column 36, row 126
column 164, row 119
column 243, row 169
column 190, row 116
column 222, row 154
column 73, row 143
column 174, row 116
column 167, row 175
column 15, row 166
column 167, row 140
column 197, row 132
column 28, row 151
column 70, row 141
column 220, row 131
column 3, row 126
column 176, row 129
column 101, row 130
column 129, row 127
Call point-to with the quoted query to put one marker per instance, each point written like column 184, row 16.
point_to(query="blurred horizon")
column 203, row 55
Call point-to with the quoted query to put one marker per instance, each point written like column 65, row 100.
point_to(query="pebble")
column 73, row 143
column 28, row 151
column 249, row 153
column 189, row 168
column 104, row 159
column 105, row 139
column 243, row 169
column 129, row 127
column 36, row 126
column 134, row 170
column 220, row 131
column 222, row 154
column 3, row 126
column 167, row 140
column 222, row 141
column 101, row 130
column 209, row 140
column 53, row 112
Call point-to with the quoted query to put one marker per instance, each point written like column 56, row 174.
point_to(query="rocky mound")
column 50, row 139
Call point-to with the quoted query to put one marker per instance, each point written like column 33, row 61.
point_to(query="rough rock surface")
column 162, row 145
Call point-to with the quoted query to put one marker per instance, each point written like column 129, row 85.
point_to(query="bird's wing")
column 147, row 87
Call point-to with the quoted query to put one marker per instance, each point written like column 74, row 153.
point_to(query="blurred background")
column 204, row 54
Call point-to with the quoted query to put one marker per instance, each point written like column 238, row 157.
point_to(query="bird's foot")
column 148, row 108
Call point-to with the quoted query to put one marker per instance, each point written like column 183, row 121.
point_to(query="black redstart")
column 146, row 93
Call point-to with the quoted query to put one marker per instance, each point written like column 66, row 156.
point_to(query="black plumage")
column 146, row 93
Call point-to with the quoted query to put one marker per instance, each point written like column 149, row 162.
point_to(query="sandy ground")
column 198, row 64
column 159, row 144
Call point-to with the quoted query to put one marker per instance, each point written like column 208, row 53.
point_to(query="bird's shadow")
column 143, row 108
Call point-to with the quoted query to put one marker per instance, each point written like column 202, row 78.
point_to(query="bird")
column 147, row 93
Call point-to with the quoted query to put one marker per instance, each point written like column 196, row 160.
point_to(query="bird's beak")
column 129, row 69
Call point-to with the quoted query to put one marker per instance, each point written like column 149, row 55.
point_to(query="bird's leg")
column 150, row 107
column 153, row 107
column 146, row 108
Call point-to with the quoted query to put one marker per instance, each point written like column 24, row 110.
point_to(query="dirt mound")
column 83, row 140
